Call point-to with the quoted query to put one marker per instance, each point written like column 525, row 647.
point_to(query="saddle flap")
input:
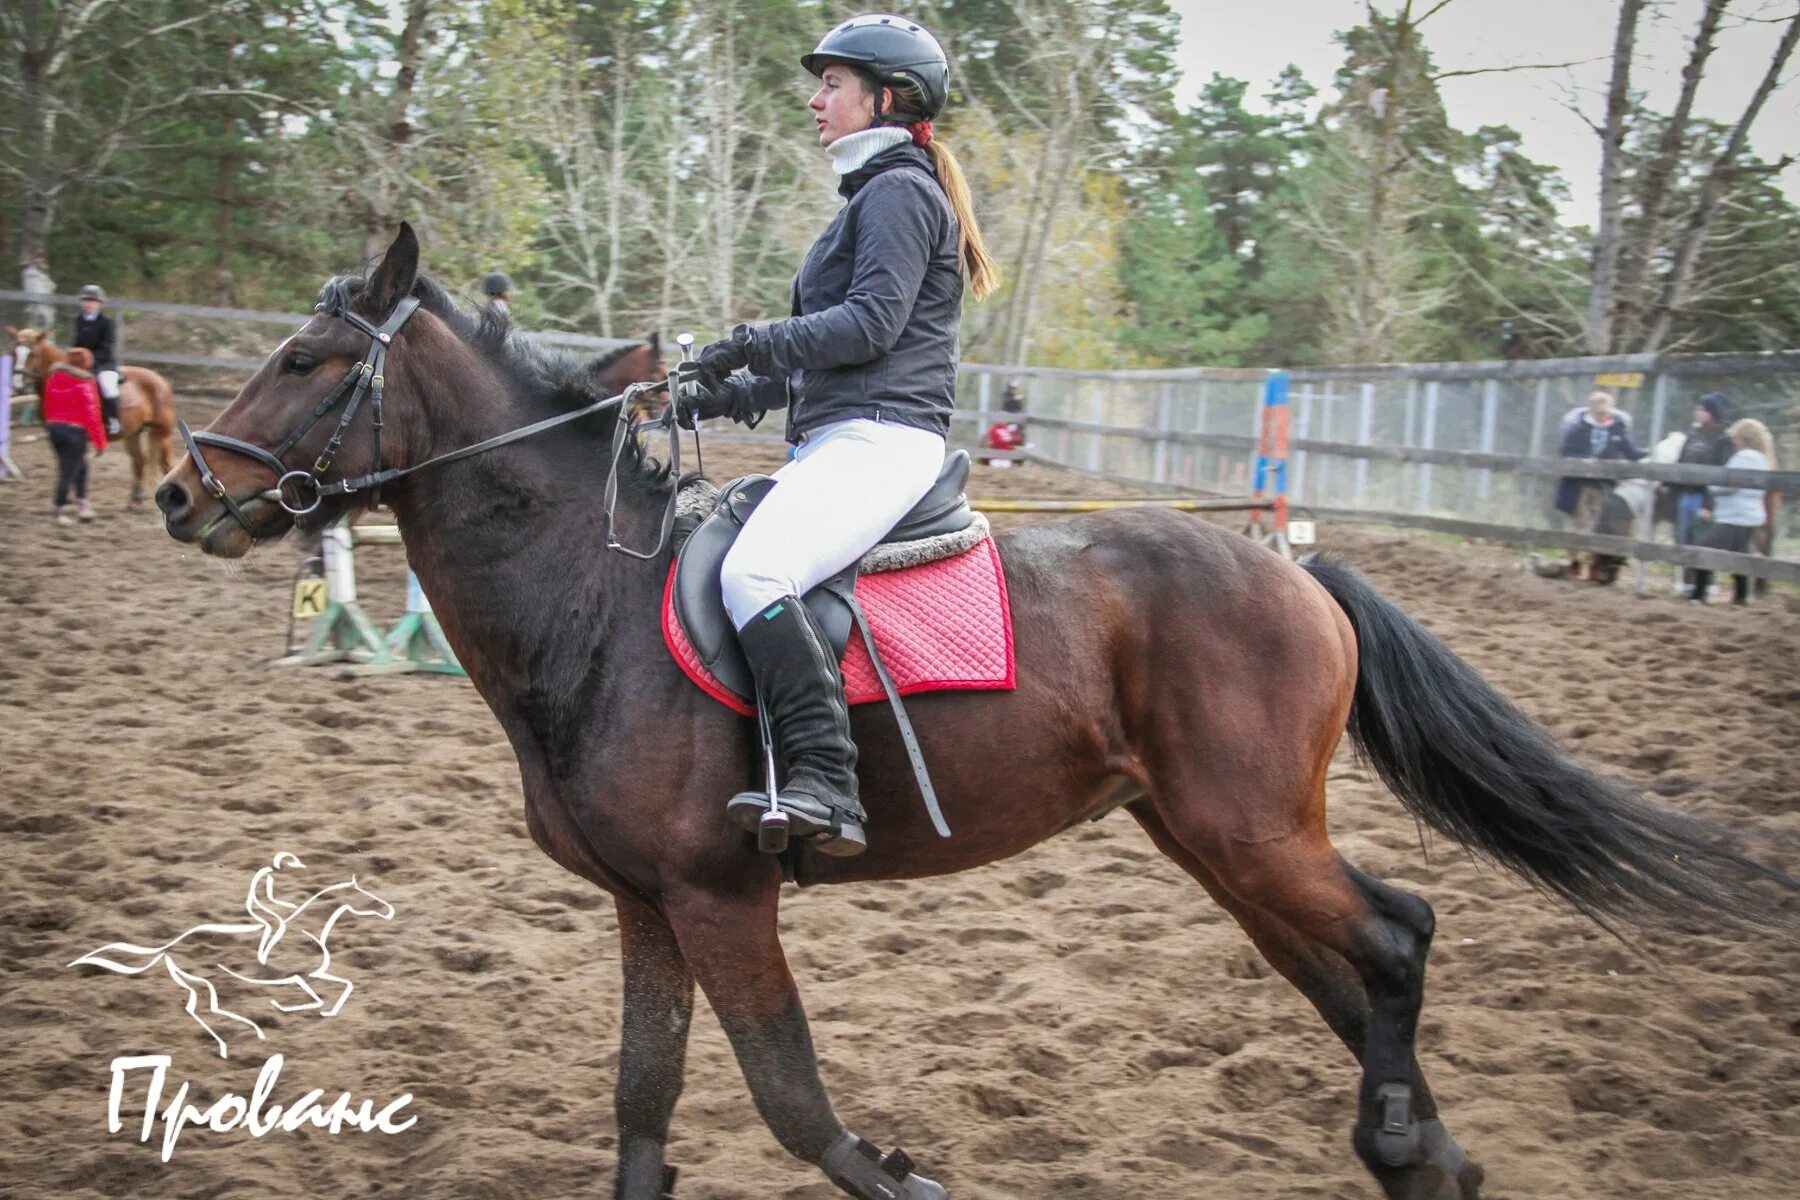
column 700, row 603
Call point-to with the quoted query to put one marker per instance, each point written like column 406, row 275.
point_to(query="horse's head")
column 364, row 903
column 306, row 419
column 642, row 363
column 34, row 353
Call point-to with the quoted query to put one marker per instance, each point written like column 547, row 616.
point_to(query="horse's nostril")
column 173, row 499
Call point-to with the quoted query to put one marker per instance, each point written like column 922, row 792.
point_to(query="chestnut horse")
column 1156, row 657
column 146, row 407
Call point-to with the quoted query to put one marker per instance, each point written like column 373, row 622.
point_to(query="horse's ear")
column 655, row 343
column 395, row 277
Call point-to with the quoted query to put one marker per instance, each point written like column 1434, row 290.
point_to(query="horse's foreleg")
column 730, row 942
column 653, row 1037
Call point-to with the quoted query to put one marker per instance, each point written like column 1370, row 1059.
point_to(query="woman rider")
column 866, row 367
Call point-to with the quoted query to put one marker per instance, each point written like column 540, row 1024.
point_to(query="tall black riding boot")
column 801, row 690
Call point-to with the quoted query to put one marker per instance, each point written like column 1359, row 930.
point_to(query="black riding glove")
column 744, row 399
column 733, row 354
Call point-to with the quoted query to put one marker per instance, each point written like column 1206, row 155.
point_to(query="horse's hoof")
column 860, row 1169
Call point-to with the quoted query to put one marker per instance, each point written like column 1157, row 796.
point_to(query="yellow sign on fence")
column 1620, row 379
column 309, row 597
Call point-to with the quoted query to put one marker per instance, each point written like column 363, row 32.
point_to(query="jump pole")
column 1270, row 473
column 343, row 632
column 9, row 470
column 1076, row 504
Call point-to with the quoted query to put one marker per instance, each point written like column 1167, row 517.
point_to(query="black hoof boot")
column 1414, row 1160
column 860, row 1169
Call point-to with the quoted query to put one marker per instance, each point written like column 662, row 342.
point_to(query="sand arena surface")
column 1078, row 1022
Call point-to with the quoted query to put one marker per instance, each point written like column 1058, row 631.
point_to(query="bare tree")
column 385, row 191
column 1612, row 181
column 1720, row 176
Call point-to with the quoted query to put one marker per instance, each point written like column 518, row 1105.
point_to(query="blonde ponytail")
column 984, row 274
column 982, row 270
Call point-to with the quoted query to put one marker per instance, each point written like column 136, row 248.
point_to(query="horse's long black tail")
column 1469, row 764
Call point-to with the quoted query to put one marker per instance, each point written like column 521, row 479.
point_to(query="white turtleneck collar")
column 852, row 151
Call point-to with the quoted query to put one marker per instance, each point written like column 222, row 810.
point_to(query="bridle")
column 301, row 491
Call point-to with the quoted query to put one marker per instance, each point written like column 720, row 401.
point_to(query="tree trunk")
column 1599, row 324
column 1712, row 193
column 1634, row 264
column 38, row 207
column 388, row 194
column 224, row 289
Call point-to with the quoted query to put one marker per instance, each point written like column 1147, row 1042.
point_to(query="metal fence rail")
column 1466, row 448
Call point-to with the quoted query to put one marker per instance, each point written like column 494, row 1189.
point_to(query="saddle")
column 933, row 529
column 700, row 605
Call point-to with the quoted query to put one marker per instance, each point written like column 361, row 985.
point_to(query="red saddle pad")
column 943, row 626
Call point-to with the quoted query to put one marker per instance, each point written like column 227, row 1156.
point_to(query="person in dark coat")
column 866, row 368
column 1707, row 445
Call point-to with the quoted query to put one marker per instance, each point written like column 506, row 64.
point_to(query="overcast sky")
column 1255, row 40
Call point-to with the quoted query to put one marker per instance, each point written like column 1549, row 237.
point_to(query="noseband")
column 302, row 491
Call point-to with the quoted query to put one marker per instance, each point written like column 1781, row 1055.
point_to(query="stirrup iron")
column 772, row 830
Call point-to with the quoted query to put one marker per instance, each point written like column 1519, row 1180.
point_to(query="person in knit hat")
column 1706, row 446
column 72, row 422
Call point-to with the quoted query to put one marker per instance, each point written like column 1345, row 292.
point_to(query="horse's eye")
column 298, row 364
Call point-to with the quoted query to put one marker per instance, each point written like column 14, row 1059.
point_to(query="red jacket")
column 72, row 399
column 1009, row 436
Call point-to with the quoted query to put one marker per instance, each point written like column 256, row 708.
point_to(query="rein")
column 300, row 492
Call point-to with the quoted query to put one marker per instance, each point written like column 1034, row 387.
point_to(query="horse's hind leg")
column 1356, row 949
column 659, row 1005
column 730, row 941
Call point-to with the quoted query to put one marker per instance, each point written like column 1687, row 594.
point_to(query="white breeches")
column 109, row 384
column 846, row 487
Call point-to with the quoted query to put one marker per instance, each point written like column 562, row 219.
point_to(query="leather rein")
column 301, row 491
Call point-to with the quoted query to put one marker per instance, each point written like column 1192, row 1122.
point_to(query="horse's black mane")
column 548, row 380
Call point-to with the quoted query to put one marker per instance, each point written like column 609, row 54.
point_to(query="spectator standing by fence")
column 1600, row 433
column 72, row 422
column 1734, row 515
column 35, row 280
column 1008, row 435
column 1707, row 445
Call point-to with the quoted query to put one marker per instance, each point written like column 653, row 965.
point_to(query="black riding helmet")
column 896, row 51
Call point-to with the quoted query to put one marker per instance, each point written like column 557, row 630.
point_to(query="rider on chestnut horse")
column 95, row 333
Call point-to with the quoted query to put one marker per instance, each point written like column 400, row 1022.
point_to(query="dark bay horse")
column 1157, row 658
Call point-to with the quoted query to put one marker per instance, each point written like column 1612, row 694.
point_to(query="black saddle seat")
column 700, row 603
